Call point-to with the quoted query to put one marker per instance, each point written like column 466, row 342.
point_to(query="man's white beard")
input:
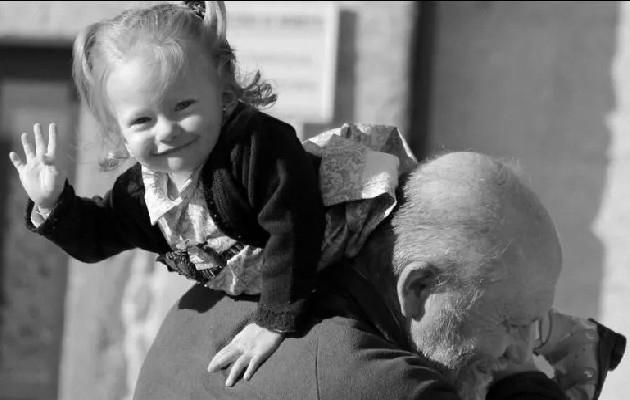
column 439, row 338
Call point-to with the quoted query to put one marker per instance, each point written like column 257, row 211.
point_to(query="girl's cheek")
column 192, row 122
column 140, row 147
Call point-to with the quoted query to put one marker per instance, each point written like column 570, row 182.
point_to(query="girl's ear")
column 228, row 99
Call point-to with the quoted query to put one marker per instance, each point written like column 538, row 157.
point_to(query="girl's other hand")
column 249, row 349
column 40, row 175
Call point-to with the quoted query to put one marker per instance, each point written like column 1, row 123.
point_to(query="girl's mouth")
column 173, row 150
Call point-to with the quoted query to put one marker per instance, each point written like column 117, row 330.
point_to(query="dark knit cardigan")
column 261, row 189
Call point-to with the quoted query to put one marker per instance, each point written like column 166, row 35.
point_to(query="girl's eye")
column 182, row 105
column 141, row 120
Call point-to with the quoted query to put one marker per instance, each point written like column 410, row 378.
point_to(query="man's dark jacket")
column 355, row 349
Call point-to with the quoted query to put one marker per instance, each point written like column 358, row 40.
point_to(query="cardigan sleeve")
column 283, row 186
column 533, row 385
column 94, row 229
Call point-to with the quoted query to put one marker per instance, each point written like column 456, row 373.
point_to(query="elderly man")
column 442, row 300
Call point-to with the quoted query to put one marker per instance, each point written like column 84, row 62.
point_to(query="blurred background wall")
column 540, row 83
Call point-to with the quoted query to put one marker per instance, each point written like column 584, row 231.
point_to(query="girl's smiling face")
column 169, row 126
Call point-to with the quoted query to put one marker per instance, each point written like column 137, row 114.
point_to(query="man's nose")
column 521, row 345
column 166, row 129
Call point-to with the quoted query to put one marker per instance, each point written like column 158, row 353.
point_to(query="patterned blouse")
column 187, row 226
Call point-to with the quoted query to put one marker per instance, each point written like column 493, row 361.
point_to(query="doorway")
column 35, row 86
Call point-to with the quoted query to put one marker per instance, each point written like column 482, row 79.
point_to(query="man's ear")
column 413, row 289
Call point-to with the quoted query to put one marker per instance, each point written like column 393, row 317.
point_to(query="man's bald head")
column 460, row 213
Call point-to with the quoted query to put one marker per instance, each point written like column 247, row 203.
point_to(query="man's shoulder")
column 357, row 362
column 337, row 358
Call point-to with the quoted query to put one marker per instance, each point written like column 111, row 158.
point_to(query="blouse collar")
column 155, row 192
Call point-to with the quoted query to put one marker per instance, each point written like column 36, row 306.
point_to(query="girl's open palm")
column 40, row 175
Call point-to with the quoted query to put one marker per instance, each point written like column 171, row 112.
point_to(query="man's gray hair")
column 451, row 217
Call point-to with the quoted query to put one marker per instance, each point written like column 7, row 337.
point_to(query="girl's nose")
column 166, row 129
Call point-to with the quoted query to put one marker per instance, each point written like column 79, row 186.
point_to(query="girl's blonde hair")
column 168, row 31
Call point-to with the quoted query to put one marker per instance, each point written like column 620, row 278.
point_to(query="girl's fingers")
column 236, row 370
column 254, row 363
column 40, row 147
column 581, row 392
column 16, row 160
column 28, row 149
column 52, row 141
column 224, row 358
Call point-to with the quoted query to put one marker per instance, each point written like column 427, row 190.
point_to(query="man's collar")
column 364, row 302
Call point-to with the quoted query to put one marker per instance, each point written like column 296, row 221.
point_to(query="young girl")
column 225, row 194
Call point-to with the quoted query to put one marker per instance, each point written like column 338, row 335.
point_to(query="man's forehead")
column 522, row 303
